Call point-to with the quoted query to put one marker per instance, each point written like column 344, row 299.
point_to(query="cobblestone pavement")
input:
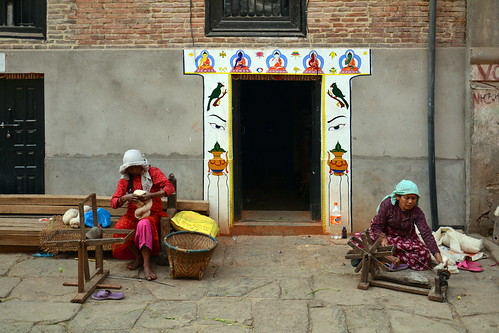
column 253, row 284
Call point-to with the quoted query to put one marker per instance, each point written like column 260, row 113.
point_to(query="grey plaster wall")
column 390, row 135
column 99, row 103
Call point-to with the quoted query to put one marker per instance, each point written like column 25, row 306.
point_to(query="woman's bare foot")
column 394, row 260
column 149, row 274
column 133, row 265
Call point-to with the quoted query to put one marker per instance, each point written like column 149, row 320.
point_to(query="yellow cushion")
column 191, row 221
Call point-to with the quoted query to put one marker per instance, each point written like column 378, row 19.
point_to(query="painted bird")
column 338, row 93
column 214, row 94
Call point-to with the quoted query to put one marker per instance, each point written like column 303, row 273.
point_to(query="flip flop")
column 400, row 267
column 107, row 294
column 464, row 265
column 473, row 263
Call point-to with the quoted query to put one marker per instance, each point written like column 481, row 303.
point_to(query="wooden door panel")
column 22, row 136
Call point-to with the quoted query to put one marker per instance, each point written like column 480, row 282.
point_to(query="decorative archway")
column 336, row 67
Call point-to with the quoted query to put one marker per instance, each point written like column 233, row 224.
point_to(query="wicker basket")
column 189, row 253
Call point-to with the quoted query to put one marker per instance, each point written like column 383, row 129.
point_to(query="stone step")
column 276, row 228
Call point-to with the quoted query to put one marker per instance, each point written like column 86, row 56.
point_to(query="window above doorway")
column 266, row 18
column 23, row 19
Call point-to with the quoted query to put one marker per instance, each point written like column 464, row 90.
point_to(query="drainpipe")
column 431, row 114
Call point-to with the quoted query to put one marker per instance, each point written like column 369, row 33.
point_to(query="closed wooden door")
column 22, row 148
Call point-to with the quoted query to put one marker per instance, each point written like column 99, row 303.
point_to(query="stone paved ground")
column 253, row 284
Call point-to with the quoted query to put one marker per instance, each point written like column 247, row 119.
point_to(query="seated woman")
column 396, row 220
column 138, row 174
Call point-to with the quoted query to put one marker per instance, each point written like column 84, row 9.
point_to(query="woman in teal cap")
column 395, row 222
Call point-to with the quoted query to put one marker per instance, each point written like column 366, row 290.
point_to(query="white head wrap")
column 135, row 157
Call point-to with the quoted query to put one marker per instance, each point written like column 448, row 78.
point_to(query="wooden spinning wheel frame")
column 372, row 258
column 88, row 281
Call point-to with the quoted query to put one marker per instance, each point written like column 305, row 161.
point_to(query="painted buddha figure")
column 350, row 64
column 313, row 64
column 276, row 64
column 240, row 64
column 204, row 64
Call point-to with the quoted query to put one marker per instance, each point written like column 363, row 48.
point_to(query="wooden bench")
column 24, row 216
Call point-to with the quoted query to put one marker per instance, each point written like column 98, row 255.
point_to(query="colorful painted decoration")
column 205, row 63
column 335, row 93
column 217, row 165
column 338, row 166
column 240, row 62
column 350, row 63
column 277, row 63
column 313, row 63
column 336, row 68
column 216, row 95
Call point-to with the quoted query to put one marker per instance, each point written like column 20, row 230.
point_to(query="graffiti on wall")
column 336, row 68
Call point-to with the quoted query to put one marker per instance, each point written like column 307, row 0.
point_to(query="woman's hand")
column 438, row 257
column 135, row 198
column 145, row 197
column 384, row 240
column 123, row 199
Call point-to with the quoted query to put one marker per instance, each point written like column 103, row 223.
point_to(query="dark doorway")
column 22, row 139
column 278, row 146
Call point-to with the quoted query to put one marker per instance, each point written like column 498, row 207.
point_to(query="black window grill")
column 276, row 18
column 23, row 18
column 256, row 8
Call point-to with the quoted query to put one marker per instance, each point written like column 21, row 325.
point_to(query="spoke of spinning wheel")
column 372, row 269
column 382, row 254
column 354, row 240
column 355, row 246
column 366, row 263
column 353, row 256
column 361, row 265
column 375, row 246
column 369, row 239
column 365, row 243
column 380, row 264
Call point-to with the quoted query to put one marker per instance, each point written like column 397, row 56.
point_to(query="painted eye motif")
column 217, row 122
column 217, row 126
column 337, row 123
column 336, row 127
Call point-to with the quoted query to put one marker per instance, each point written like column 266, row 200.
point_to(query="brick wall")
column 172, row 24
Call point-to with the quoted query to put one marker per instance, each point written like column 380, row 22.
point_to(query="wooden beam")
column 399, row 287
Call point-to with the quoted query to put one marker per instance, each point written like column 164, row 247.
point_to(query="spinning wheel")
column 88, row 281
column 370, row 254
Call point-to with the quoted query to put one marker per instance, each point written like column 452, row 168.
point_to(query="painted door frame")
column 337, row 66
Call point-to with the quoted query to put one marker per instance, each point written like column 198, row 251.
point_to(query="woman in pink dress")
column 138, row 174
